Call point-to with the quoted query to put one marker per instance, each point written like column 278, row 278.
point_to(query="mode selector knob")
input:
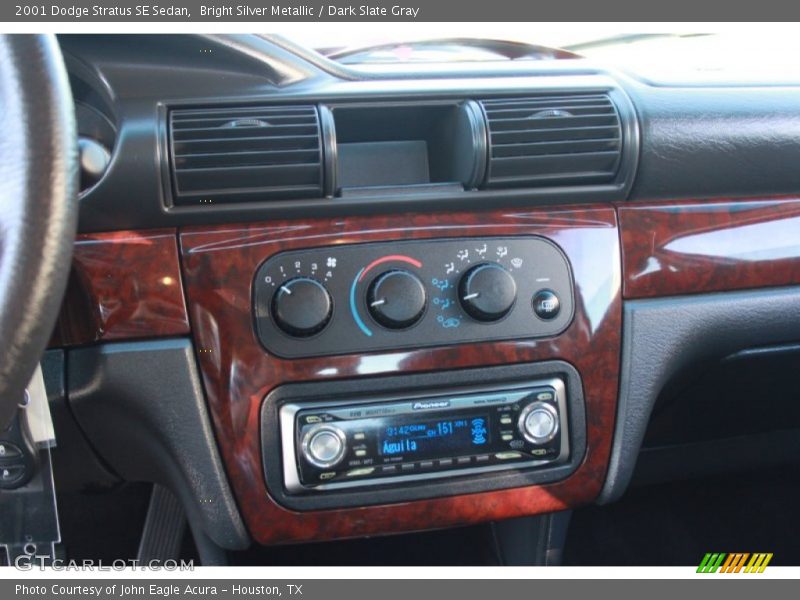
column 538, row 422
column 324, row 446
column 301, row 306
column 396, row 299
column 487, row 292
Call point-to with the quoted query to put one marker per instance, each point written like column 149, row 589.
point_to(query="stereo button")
column 361, row 472
column 546, row 304
column 508, row 455
column 324, row 446
column 538, row 422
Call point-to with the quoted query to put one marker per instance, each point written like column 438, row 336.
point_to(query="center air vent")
column 245, row 154
column 552, row 140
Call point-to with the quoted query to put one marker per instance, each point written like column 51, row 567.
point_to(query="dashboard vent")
column 245, row 154
column 552, row 139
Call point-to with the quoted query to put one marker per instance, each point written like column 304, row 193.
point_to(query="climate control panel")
column 384, row 296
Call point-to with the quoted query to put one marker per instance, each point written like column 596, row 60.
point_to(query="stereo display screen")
column 441, row 437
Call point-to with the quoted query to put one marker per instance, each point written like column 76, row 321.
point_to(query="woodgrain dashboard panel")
column 219, row 266
column 698, row 246
column 123, row 285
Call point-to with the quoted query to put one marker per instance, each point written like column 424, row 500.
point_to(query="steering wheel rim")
column 38, row 204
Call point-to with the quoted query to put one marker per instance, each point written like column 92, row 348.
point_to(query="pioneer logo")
column 428, row 404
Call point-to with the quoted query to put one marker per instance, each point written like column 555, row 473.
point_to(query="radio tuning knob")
column 538, row 422
column 487, row 292
column 324, row 446
column 301, row 307
column 396, row 299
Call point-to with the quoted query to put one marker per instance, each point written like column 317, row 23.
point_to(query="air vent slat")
column 281, row 176
column 562, row 147
column 572, row 121
column 530, row 113
column 246, row 154
column 234, row 159
column 189, row 114
column 555, row 134
column 300, row 142
column 544, row 99
column 258, row 120
column 552, row 140
column 229, row 133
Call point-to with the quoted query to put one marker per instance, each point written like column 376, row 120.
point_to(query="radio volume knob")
column 487, row 292
column 301, row 307
column 324, row 446
column 538, row 422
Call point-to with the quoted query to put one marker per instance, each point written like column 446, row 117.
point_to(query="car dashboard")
column 320, row 302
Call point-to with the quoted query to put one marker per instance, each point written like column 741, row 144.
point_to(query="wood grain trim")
column 123, row 285
column 699, row 246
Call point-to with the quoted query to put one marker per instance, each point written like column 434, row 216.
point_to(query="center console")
column 381, row 374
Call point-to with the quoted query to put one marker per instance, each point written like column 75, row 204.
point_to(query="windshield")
column 760, row 53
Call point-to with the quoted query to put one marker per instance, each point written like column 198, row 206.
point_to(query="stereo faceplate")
column 402, row 440
column 343, row 299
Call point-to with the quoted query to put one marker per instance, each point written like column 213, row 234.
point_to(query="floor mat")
column 104, row 526
column 675, row 524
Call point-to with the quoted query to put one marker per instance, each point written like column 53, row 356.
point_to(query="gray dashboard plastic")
column 141, row 405
column 667, row 336
column 716, row 141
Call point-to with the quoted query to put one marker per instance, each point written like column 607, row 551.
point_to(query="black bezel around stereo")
column 520, row 384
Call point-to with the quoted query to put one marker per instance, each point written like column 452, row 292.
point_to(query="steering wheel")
column 38, row 204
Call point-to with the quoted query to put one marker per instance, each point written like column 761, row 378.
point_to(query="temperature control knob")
column 396, row 299
column 301, row 306
column 487, row 292
column 324, row 446
column 538, row 422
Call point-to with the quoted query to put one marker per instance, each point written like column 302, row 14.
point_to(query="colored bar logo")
column 736, row 562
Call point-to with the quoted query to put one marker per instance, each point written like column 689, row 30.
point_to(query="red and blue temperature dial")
column 395, row 297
